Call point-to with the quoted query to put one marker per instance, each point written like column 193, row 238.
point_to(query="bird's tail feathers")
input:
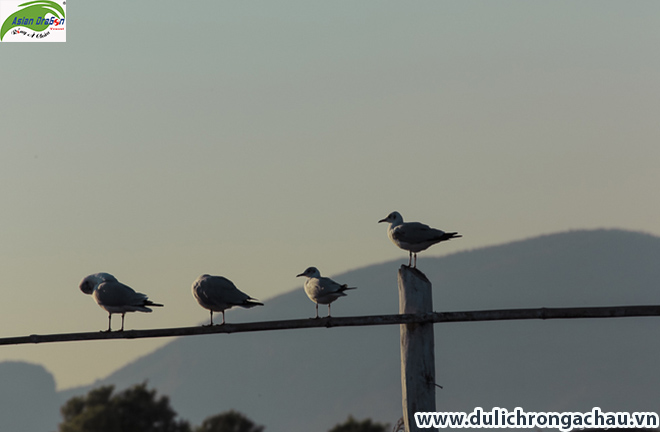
column 450, row 235
column 150, row 303
column 346, row 288
column 251, row 303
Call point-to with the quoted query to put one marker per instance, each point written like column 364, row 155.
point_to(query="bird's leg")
column 317, row 311
column 109, row 322
column 211, row 319
column 122, row 321
column 328, row 310
column 409, row 259
column 415, row 266
column 223, row 317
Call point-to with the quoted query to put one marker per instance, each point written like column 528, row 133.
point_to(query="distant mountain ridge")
column 304, row 380
column 25, row 386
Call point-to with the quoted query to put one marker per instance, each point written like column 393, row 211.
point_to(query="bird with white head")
column 414, row 236
column 322, row 290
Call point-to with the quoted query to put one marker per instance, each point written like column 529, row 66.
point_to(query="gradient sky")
column 164, row 140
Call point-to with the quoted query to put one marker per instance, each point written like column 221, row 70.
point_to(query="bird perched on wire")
column 115, row 297
column 217, row 293
column 414, row 236
column 322, row 290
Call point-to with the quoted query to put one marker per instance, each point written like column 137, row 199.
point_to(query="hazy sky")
column 164, row 140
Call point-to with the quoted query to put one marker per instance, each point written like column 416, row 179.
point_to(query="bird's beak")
column 301, row 274
column 382, row 220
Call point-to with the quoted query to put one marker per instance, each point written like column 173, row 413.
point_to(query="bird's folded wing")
column 414, row 232
column 328, row 286
column 227, row 294
column 115, row 293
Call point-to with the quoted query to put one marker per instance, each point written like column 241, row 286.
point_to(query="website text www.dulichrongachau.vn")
column 501, row 418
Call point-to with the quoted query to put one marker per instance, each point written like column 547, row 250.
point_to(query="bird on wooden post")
column 322, row 290
column 115, row 297
column 217, row 293
column 414, row 236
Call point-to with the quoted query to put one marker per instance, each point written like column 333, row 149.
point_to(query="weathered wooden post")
column 417, row 347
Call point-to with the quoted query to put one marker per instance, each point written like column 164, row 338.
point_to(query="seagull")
column 115, row 297
column 414, row 236
column 322, row 290
column 217, row 293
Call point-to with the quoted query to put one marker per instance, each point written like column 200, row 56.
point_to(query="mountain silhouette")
column 312, row 379
column 28, row 401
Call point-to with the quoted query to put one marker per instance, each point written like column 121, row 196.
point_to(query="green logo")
column 33, row 16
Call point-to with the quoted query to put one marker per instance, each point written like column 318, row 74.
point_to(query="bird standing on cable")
column 115, row 297
column 217, row 293
column 322, row 290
